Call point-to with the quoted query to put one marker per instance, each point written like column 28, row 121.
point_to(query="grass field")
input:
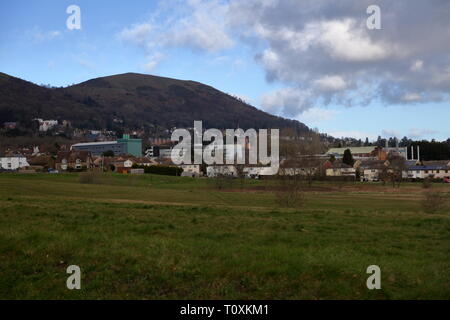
column 156, row 237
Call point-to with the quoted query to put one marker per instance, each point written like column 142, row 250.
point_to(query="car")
column 446, row 180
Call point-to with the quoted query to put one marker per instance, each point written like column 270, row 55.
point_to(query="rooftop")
column 94, row 143
column 353, row 150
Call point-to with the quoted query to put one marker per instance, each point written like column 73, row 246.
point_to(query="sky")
column 316, row 61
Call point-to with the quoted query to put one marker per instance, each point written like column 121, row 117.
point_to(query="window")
column 426, row 171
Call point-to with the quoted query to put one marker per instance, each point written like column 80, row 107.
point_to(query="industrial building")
column 125, row 145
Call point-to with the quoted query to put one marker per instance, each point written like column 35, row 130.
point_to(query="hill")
column 132, row 101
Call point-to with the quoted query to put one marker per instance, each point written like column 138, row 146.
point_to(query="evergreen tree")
column 348, row 158
column 366, row 143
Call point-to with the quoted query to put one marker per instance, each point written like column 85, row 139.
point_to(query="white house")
column 371, row 170
column 427, row 171
column 13, row 163
column 45, row 125
column 224, row 170
column 128, row 163
column 190, row 170
column 341, row 170
column 257, row 172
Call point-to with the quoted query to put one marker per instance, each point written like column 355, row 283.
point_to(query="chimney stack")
column 412, row 152
column 418, row 153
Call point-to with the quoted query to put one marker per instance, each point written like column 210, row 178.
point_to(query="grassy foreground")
column 153, row 237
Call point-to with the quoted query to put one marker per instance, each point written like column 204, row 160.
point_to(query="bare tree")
column 433, row 201
column 395, row 169
column 290, row 191
column 299, row 164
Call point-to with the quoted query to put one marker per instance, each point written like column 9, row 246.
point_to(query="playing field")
column 157, row 237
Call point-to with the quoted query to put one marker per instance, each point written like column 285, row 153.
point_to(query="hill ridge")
column 133, row 100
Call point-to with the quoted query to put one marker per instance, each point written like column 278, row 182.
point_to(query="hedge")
column 161, row 170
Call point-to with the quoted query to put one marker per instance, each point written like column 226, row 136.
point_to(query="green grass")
column 156, row 237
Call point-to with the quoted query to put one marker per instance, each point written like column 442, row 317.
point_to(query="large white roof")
column 94, row 143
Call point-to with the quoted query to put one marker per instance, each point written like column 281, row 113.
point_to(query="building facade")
column 13, row 163
column 73, row 160
column 123, row 146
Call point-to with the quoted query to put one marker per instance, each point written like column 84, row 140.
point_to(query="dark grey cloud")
column 324, row 50
column 321, row 50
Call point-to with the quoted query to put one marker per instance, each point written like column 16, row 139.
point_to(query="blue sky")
column 252, row 58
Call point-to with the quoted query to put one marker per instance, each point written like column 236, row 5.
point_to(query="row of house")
column 369, row 165
column 376, row 152
column 80, row 159
column 372, row 170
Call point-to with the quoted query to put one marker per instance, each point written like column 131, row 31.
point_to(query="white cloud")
column 204, row 29
column 331, row 83
column 417, row 66
column 194, row 24
column 389, row 133
column 287, row 101
column 353, row 134
column 317, row 115
column 416, row 133
column 39, row 35
column 411, row 97
column 153, row 61
column 344, row 40
column 138, row 33
column 86, row 63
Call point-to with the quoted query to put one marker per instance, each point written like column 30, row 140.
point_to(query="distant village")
column 102, row 151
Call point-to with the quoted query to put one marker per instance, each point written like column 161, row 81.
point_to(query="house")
column 357, row 152
column 144, row 162
column 119, row 164
column 441, row 163
column 190, row 170
column 164, row 152
column 428, row 169
column 73, row 160
column 14, row 162
column 255, row 172
column 41, row 161
column 371, row 170
column 340, row 169
column 222, row 170
column 10, row 125
column 45, row 125
column 304, row 166
column 124, row 166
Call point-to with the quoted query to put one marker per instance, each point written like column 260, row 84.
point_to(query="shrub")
column 433, row 202
column 290, row 193
column 92, row 177
column 221, row 182
column 427, row 183
column 164, row 170
column 88, row 178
